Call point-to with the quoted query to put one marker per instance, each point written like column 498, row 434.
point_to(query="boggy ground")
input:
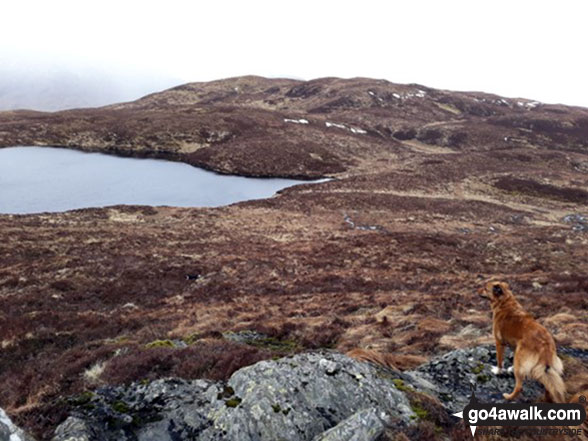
column 387, row 255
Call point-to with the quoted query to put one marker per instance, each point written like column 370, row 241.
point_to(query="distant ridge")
column 257, row 126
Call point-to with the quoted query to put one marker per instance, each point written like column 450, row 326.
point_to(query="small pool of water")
column 46, row 179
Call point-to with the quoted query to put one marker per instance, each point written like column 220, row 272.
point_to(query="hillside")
column 432, row 192
column 325, row 126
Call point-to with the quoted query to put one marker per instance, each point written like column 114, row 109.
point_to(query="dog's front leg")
column 499, row 357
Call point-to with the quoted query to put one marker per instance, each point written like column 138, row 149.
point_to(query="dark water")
column 41, row 179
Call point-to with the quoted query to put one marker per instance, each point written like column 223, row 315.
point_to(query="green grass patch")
column 160, row 344
column 419, row 411
column 275, row 345
column 191, row 339
column 399, row 384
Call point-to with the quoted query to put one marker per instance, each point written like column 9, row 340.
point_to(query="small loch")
column 47, row 179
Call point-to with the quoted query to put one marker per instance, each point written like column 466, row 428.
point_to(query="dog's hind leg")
column 518, row 387
column 519, row 376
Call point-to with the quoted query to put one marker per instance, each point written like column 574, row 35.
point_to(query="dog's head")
column 496, row 291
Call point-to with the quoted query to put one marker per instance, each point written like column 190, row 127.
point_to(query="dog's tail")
column 549, row 374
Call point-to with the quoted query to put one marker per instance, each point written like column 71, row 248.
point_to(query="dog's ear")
column 497, row 290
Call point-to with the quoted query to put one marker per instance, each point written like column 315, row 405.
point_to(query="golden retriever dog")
column 535, row 355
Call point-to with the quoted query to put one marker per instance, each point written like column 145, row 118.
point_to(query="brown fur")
column 535, row 354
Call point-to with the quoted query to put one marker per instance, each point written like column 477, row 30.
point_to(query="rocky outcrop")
column 322, row 396
column 9, row 432
column 319, row 396
column 451, row 378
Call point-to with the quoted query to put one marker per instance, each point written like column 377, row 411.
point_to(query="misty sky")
column 523, row 48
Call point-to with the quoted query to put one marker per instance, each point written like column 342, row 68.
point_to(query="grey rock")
column 295, row 398
column 580, row 354
column 452, row 376
column 4, row 432
column 76, row 429
column 179, row 344
column 299, row 397
column 365, row 425
column 9, row 432
column 330, row 367
column 579, row 222
column 570, row 218
column 319, row 396
column 245, row 336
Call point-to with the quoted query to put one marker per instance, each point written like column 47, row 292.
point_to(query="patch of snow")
column 395, row 95
column 419, row 94
column 355, row 226
column 343, row 126
column 348, row 220
column 528, row 104
column 506, row 139
column 368, row 227
column 372, row 94
column 332, row 124
column 296, row 121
